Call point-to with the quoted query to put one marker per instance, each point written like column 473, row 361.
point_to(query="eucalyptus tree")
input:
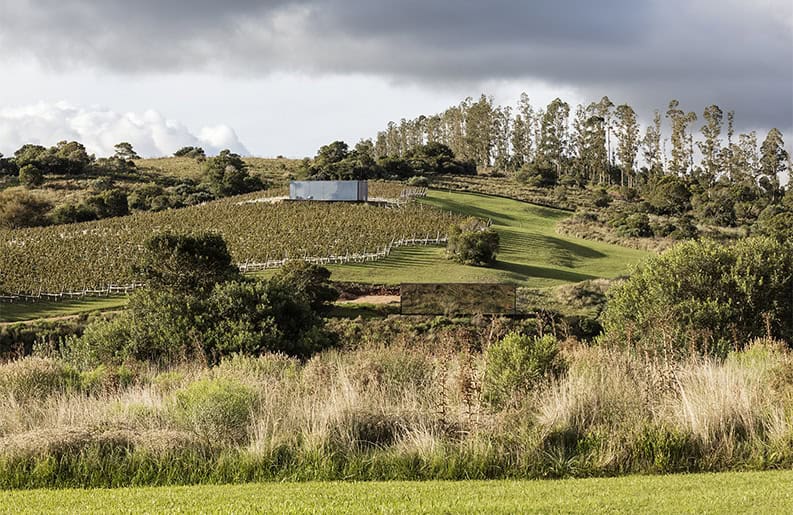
column 433, row 129
column 682, row 142
column 588, row 144
column 710, row 146
column 392, row 140
column 596, row 149
column 479, row 130
column 728, row 152
column 553, row 133
column 746, row 157
column 774, row 160
column 502, row 129
column 523, row 131
column 604, row 110
column 651, row 145
column 627, row 132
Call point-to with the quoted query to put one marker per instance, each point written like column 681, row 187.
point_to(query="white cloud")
column 99, row 129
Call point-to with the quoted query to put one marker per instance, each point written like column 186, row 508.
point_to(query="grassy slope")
column 753, row 492
column 532, row 254
column 36, row 310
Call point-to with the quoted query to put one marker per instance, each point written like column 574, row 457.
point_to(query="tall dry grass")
column 391, row 412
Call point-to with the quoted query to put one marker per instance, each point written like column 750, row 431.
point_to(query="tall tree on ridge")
column 773, row 161
column 710, row 146
column 682, row 143
column 604, row 110
column 651, row 144
column 627, row 131
column 553, row 133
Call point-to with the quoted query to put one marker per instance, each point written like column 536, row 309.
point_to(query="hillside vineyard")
column 75, row 256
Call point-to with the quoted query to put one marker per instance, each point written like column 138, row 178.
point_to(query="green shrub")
column 601, row 198
column 706, row 294
column 216, row 410
column 106, row 378
column 517, row 363
column 418, row 181
column 685, row 229
column 30, row 176
column 636, row 225
column 472, row 242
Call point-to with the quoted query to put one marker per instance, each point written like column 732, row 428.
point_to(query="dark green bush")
column 636, row 225
column 472, row 242
column 705, row 294
column 30, row 176
column 601, row 198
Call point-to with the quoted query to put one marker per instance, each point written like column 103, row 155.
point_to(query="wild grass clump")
column 399, row 412
column 218, row 410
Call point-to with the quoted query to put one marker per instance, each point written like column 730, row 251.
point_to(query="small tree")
column 472, row 242
column 312, row 282
column 186, row 263
column 124, row 150
column 227, row 174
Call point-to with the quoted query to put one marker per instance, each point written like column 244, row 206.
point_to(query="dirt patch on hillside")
column 374, row 299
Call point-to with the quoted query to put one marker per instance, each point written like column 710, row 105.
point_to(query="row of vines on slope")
column 76, row 256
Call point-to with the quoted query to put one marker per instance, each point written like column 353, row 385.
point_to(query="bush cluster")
column 705, row 293
column 472, row 242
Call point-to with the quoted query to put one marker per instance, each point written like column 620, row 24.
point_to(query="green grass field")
column 532, row 254
column 750, row 492
column 35, row 310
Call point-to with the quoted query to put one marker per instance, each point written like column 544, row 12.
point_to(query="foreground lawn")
column 748, row 492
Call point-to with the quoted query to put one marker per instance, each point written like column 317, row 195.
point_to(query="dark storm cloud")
column 737, row 54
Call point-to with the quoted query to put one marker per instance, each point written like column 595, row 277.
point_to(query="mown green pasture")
column 750, row 492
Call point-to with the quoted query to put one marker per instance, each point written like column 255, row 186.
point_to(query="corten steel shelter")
column 329, row 191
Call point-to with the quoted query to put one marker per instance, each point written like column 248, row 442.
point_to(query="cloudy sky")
column 286, row 76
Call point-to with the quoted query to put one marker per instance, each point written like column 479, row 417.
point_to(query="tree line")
column 598, row 143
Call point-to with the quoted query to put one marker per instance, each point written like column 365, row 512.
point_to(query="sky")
column 283, row 77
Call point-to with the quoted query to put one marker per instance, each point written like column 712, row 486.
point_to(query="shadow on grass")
column 514, row 207
column 520, row 272
column 565, row 253
column 23, row 311
column 498, row 217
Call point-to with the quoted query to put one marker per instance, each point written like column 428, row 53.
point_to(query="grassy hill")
column 532, row 255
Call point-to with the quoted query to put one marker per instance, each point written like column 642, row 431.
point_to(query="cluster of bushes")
column 336, row 162
column 225, row 174
column 196, row 305
column 472, row 242
column 678, row 203
column 630, row 221
column 705, row 297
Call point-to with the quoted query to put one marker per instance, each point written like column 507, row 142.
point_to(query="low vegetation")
column 394, row 412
